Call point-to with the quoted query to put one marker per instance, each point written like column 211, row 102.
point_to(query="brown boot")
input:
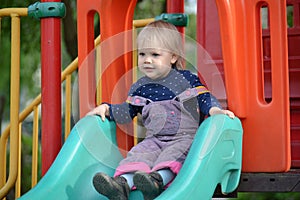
column 151, row 185
column 113, row 188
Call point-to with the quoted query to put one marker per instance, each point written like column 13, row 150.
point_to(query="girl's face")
column 155, row 63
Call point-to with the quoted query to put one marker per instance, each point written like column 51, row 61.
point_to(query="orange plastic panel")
column 266, row 143
column 115, row 17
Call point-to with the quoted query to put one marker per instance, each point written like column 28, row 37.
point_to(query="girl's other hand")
column 216, row 110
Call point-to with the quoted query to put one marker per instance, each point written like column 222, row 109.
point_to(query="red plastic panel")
column 257, row 91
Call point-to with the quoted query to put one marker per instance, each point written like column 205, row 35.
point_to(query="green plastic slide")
column 214, row 158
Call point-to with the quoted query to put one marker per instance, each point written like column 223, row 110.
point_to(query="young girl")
column 170, row 101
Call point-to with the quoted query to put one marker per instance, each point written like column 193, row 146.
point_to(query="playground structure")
column 260, row 67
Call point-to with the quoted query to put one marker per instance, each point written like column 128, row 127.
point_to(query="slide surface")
column 214, row 158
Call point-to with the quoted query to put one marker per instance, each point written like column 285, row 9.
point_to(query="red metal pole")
column 51, row 89
column 176, row 6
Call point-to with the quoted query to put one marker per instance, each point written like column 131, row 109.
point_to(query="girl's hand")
column 102, row 110
column 216, row 110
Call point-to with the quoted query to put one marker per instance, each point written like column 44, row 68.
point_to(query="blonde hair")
column 164, row 36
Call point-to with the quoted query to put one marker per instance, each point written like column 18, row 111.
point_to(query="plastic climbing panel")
column 252, row 56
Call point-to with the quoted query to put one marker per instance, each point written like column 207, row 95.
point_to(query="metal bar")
column 18, row 181
column 142, row 22
column 15, row 99
column 68, row 106
column 51, row 89
column 13, row 11
column 35, row 143
column 3, row 146
column 176, row 6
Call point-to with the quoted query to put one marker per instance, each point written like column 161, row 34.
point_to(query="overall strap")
column 191, row 93
column 138, row 100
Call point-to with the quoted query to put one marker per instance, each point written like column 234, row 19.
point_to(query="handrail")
column 15, row 14
column 6, row 12
column 142, row 22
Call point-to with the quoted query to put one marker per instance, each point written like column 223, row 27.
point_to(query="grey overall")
column 170, row 132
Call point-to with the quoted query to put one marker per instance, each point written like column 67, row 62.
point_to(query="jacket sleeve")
column 205, row 100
